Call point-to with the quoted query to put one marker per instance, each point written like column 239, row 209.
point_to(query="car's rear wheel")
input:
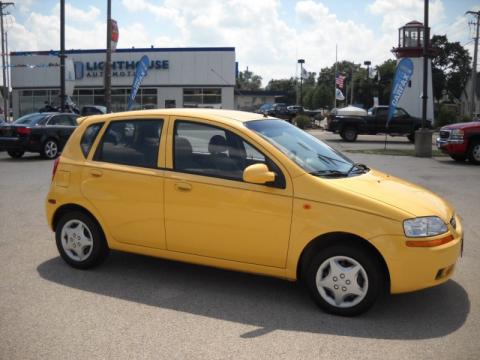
column 474, row 152
column 344, row 280
column 458, row 158
column 349, row 134
column 16, row 154
column 50, row 149
column 80, row 240
column 411, row 137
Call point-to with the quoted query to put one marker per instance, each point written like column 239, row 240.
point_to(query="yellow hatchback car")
column 239, row 191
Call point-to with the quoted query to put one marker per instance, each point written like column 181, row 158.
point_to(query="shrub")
column 302, row 121
column 466, row 118
column 446, row 115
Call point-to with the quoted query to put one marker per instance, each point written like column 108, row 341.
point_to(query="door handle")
column 183, row 186
column 96, row 173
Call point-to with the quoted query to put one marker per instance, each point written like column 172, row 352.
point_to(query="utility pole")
column 6, row 112
column 474, row 67
column 62, row 55
column 108, row 62
column 426, row 40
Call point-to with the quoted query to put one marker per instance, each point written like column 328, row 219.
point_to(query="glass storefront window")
column 194, row 97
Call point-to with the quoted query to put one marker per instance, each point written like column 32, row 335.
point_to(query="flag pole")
column 335, row 81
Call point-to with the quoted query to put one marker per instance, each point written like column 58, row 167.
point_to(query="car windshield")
column 311, row 154
column 30, row 119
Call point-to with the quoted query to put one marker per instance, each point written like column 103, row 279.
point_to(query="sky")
column 269, row 36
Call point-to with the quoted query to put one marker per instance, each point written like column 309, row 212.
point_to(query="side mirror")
column 258, row 174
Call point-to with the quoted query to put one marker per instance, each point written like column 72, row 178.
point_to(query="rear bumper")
column 20, row 144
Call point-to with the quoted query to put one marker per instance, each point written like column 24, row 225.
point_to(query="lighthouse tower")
column 410, row 45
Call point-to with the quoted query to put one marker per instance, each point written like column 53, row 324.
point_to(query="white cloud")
column 263, row 39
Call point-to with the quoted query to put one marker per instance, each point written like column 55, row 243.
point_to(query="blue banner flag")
column 140, row 73
column 403, row 74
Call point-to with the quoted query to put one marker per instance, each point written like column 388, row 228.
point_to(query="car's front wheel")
column 474, row 152
column 80, row 240
column 344, row 280
column 15, row 154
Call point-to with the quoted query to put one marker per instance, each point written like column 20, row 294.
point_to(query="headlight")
column 424, row 226
column 456, row 136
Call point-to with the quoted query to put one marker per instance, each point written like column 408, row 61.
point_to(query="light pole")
column 301, row 62
column 367, row 63
column 108, row 60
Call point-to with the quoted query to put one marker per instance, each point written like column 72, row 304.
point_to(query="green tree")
column 450, row 67
column 287, row 86
column 247, row 80
column 387, row 72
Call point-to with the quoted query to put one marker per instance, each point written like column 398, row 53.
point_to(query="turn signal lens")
column 429, row 243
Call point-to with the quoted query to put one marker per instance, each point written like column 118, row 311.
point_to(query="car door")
column 210, row 211
column 60, row 127
column 124, row 181
column 401, row 123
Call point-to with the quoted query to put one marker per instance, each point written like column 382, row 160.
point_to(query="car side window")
column 399, row 112
column 132, row 143
column 73, row 120
column 212, row 151
column 60, row 120
column 89, row 137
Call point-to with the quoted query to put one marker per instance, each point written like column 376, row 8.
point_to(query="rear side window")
column 89, row 137
column 131, row 143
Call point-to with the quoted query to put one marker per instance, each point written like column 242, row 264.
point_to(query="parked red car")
column 461, row 141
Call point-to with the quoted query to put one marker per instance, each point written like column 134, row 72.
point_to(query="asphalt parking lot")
column 144, row 308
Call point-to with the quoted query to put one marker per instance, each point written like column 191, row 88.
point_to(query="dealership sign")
column 120, row 68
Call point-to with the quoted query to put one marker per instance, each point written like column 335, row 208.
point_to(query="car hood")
column 400, row 194
column 461, row 125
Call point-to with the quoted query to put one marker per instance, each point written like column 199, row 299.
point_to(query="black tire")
column 411, row 137
column 474, row 152
column 458, row 158
column 50, row 149
column 369, row 279
column 94, row 254
column 349, row 134
column 15, row 154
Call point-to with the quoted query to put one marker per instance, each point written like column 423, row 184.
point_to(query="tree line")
column 451, row 70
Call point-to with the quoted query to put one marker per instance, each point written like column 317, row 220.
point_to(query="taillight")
column 24, row 130
column 55, row 166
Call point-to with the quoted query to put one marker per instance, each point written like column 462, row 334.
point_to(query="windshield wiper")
column 356, row 166
column 328, row 172
column 325, row 157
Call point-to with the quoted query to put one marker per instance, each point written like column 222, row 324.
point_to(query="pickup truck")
column 461, row 141
column 350, row 126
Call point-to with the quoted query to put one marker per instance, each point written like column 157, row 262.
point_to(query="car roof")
column 221, row 115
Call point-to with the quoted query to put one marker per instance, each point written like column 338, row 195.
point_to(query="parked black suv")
column 278, row 110
column 45, row 133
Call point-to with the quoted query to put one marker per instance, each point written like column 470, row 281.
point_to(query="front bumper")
column 415, row 268
column 451, row 146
